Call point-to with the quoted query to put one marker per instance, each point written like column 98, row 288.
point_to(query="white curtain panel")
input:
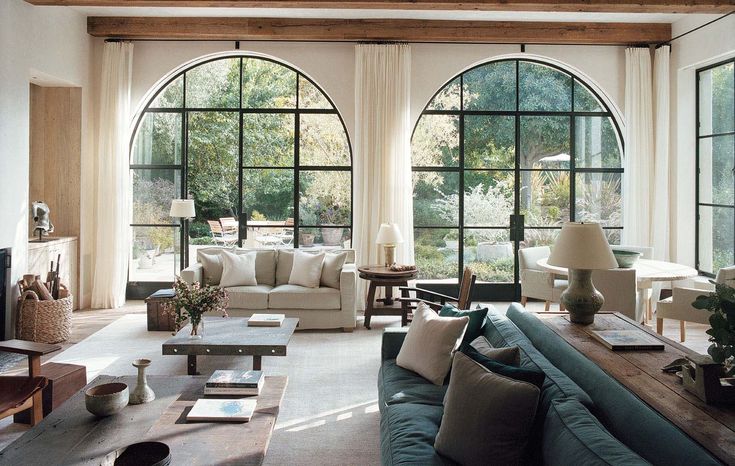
column 382, row 167
column 661, row 200
column 112, row 235
column 639, row 149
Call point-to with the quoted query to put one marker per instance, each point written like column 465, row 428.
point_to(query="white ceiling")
column 384, row 14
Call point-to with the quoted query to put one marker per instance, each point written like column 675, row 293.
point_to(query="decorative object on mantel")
column 704, row 378
column 582, row 247
column 142, row 393
column 41, row 220
column 389, row 235
column 192, row 301
column 44, row 309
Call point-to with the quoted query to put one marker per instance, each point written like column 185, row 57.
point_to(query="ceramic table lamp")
column 389, row 235
column 184, row 210
column 581, row 248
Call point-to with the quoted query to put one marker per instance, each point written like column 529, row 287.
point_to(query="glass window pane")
column 716, row 95
column 715, row 238
column 215, row 84
column 323, row 141
column 613, row 235
column 545, row 142
column 584, row 100
column 491, row 87
column 266, row 84
column 435, row 199
column 437, row 253
column 155, row 254
column 544, row 88
column 489, row 253
column 158, row 140
column 489, row 141
column 267, row 195
column 268, row 139
column 171, row 96
column 716, row 181
column 544, row 197
column 448, row 98
column 598, row 198
column 324, row 198
column 533, row 237
column 435, row 141
column 596, row 143
column 152, row 194
column 213, row 164
column 310, row 96
column 325, row 238
column 488, row 198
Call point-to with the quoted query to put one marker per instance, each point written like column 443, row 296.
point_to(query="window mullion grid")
column 184, row 240
column 242, row 218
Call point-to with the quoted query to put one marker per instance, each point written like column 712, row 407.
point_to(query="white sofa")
column 316, row 308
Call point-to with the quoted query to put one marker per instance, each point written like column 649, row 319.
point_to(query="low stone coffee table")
column 231, row 336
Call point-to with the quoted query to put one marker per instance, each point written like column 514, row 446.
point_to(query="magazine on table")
column 266, row 320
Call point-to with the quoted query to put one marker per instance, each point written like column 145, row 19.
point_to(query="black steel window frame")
column 517, row 170
column 698, row 138
column 142, row 289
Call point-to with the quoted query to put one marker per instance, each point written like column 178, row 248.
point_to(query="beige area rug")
column 329, row 414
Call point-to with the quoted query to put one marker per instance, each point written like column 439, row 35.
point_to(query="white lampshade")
column 182, row 208
column 582, row 246
column 389, row 234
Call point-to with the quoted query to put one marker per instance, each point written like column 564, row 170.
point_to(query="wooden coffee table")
column 71, row 435
column 231, row 336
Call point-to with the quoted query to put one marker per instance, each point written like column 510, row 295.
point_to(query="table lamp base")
column 581, row 298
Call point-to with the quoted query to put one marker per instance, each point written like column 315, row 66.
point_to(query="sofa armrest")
column 348, row 293
column 193, row 273
column 392, row 341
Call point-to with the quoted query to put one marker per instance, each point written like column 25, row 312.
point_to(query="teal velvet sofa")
column 411, row 407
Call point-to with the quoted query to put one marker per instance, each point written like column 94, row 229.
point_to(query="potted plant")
column 192, row 301
column 330, row 213
column 721, row 303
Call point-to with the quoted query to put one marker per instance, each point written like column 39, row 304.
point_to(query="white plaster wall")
column 50, row 42
column 710, row 44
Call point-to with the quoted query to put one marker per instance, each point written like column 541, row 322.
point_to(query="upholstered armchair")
column 536, row 282
column 679, row 305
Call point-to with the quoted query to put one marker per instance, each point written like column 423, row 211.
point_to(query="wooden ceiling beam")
column 595, row 6
column 506, row 32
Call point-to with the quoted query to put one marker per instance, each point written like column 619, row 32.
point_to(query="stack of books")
column 233, row 382
column 222, row 410
column 266, row 320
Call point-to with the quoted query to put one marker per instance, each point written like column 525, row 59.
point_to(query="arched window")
column 502, row 155
column 249, row 139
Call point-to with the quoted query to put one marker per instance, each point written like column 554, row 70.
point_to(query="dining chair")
column 218, row 234
column 619, row 287
column 230, row 225
column 537, row 283
column 679, row 305
column 437, row 300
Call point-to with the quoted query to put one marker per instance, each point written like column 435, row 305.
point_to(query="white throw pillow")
column 238, row 269
column 332, row 268
column 307, row 269
column 430, row 344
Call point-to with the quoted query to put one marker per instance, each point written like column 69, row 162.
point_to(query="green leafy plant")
column 192, row 301
column 721, row 303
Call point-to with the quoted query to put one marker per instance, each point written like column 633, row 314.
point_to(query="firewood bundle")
column 45, row 290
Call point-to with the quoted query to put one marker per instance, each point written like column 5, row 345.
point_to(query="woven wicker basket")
column 44, row 321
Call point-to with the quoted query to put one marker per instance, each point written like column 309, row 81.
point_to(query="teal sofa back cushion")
column 477, row 320
column 572, row 435
column 629, row 419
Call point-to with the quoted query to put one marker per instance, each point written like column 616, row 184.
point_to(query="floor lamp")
column 182, row 209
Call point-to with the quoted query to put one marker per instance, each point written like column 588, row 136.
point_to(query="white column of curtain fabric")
column 639, row 148
column 383, row 189
column 112, row 231
column 660, row 227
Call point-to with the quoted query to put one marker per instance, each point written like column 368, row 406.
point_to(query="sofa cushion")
column 238, row 269
column 398, row 385
column 476, row 323
column 572, row 435
column 283, row 268
column 509, row 355
column 431, row 343
column 211, row 267
column 487, row 416
column 248, row 297
column 523, row 374
column 407, row 435
column 265, row 262
column 299, row 297
column 307, row 269
column 332, row 268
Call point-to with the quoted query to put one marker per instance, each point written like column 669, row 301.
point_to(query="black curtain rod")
column 668, row 42
column 243, row 41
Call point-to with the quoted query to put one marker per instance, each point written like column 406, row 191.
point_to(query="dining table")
column 647, row 271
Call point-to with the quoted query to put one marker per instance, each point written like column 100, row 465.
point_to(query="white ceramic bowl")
column 106, row 399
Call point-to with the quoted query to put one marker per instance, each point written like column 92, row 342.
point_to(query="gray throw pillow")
column 285, row 264
column 509, row 355
column 332, row 268
column 212, row 268
column 487, row 417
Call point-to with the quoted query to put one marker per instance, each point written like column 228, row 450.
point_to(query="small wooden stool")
column 64, row 380
column 159, row 318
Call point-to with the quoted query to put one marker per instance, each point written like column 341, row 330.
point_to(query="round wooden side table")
column 380, row 275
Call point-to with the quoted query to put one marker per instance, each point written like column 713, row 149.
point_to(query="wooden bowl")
column 106, row 399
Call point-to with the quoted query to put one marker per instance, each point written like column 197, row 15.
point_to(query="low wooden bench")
column 64, row 380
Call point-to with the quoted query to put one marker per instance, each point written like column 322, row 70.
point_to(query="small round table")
column 380, row 275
